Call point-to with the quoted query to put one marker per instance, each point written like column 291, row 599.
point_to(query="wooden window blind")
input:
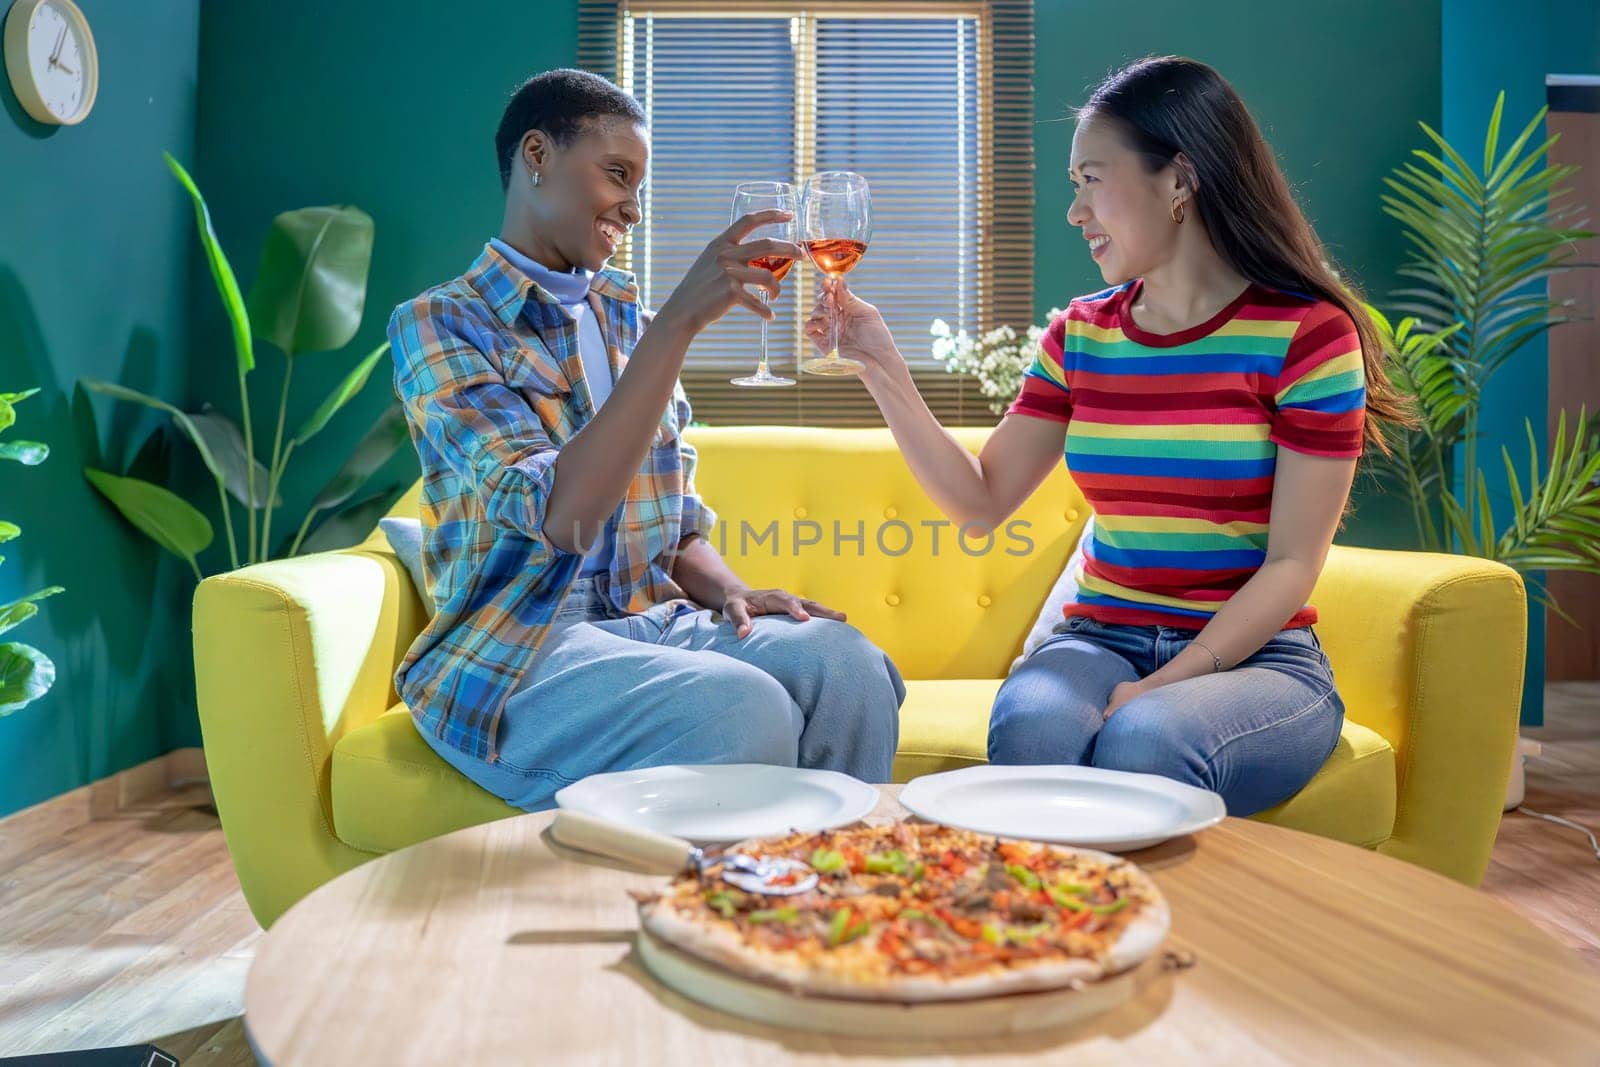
column 932, row 102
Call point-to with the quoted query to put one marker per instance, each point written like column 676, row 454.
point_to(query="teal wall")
column 390, row 105
column 1337, row 90
column 94, row 257
column 1487, row 46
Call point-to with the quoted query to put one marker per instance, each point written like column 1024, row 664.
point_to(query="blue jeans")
column 1256, row 734
column 614, row 692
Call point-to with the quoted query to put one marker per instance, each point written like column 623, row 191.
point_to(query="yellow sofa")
column 316, row 766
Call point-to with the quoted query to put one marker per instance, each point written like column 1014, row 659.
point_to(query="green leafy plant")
column 308, row 296
column 26, row 674
column 1482, row 244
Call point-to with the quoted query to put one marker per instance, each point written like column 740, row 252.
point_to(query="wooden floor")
column 121, row 923
column 121, row 920
column 1548, row 872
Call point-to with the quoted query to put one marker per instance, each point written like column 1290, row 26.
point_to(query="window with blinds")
column 932, row 103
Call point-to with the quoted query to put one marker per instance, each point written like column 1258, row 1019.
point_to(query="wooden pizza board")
column 1013, row 1013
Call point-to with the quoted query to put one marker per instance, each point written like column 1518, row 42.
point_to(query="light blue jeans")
column 611, row 692
column 1255, row 734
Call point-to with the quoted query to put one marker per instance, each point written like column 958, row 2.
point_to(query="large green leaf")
column 202, row 442
column 8, row 530
column 14, row 615
column 163, row 516
column 7, row 407
column 225, row 442
column 353, row 383
column 8, row 416
column 311, row 288
column 370, row 453
column 351, row 525
column 20, row 611
column 27, row 453
column 26, row 674
column 221, row 271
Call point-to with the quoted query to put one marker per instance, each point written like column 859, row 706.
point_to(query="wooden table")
column 487, row 947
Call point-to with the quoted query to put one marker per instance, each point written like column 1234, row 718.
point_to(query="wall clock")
column 51, row 59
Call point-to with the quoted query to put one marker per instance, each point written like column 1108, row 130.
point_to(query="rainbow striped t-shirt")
column 1174, row 438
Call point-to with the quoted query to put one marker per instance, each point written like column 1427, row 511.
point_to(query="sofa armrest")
column 289, row 656
column 1428, row 651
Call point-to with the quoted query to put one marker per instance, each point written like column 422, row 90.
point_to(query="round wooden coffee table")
column 487, row 946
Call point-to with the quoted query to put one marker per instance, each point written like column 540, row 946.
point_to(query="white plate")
column 719, row 804
column 1112, row 810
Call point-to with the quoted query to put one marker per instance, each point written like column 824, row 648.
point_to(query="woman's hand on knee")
column 743, row 605
column 1123, row 693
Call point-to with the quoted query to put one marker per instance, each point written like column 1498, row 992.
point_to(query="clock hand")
column 61, row 39
column 68, row 69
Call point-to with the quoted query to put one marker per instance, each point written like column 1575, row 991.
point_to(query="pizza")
column 918, row 912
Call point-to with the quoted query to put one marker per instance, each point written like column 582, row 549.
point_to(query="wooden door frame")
column 1573, row 653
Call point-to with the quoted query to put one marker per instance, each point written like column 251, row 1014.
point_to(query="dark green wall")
column 390, row 106
column 94, row 258
column 1337, row 89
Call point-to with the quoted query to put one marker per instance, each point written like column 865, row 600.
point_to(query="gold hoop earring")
column 1177, row 211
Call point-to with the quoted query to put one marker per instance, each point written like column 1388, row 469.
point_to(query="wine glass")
column 766, row 196
column 835, row 226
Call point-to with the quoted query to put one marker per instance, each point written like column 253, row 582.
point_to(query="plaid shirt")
column 487, row 367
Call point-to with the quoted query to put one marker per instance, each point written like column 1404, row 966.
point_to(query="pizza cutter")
column 775, row 876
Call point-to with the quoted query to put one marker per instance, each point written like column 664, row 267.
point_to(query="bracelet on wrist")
column 1216, row 660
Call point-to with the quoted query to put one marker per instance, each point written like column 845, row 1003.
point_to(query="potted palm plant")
column 1483, row 242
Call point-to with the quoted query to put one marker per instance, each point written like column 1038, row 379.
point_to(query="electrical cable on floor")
column 1559, row 821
